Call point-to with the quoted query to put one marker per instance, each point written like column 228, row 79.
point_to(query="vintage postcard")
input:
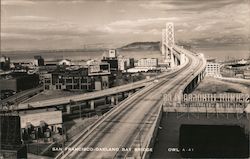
column 135, row 79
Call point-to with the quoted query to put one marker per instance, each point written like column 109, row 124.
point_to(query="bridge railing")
column 152, row 134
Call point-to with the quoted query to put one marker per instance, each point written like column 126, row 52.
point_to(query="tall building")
column 213, row 69
column 69, row 80
column 38, row 61
column 10, row 137
column 4, row 63
column 87, row 78
column 19, row 81
column 125, row 63
column 147, row 62
column 247, row 74
column 98, row 69
column 65, row 62
column 113, row 62
column 112, row 53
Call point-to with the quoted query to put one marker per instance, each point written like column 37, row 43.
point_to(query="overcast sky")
column 59, row 24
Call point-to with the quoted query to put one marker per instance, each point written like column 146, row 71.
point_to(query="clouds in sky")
column 16, row 2
column 51, row 24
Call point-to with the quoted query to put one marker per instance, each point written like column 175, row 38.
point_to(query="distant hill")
column 141, row 46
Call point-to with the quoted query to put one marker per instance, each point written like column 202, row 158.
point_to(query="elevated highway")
column 93, row 95
column 21, row 96
column 81, row 97
column 130, row 125
column 111, row 92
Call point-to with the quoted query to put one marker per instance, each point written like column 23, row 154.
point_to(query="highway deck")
column 127, row 125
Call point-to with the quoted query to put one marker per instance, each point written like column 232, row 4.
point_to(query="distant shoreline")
column 135, row 47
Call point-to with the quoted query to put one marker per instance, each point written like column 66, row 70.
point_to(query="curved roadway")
column 127, row 125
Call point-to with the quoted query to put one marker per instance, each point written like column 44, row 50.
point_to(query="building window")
column 76, row 80
column 69, row 87
column 84, row 87
column 76, row 86
column 84, row 80
column 60, row 80
column 58, row 87
column 68, row 80
column 47, row 81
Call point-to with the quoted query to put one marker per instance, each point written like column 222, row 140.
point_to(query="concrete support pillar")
column 123, row 95
column 80, row 110
column 92, row 104
column 68, row 108
column 116, row 99
column 175, row 61
column 193, row 85
column 129, row 94
column 182, row 58
column 196, row 82
column 112, row 100
column 106, row 100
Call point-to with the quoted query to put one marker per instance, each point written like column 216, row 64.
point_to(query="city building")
column 79, row 62
column 91, row 62
column 94, row 76
column 213, row 69
column 98, row 69
column 100, row 72
column 112, row 53
column 40, row 124
column 4, row 63
column 22, row 65
column 137, row 69
column 147, row 62
column 113, row 62
column 247, row 74
column 51, row 62
column 77, row 80
column 38, row 61
column 64, row 62
column 212, row 60
column 125, row 63
column 242, row 61
column 10, row 136
column 19, row 81
column 101, row 82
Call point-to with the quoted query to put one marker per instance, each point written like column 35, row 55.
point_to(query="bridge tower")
column 168, row 43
